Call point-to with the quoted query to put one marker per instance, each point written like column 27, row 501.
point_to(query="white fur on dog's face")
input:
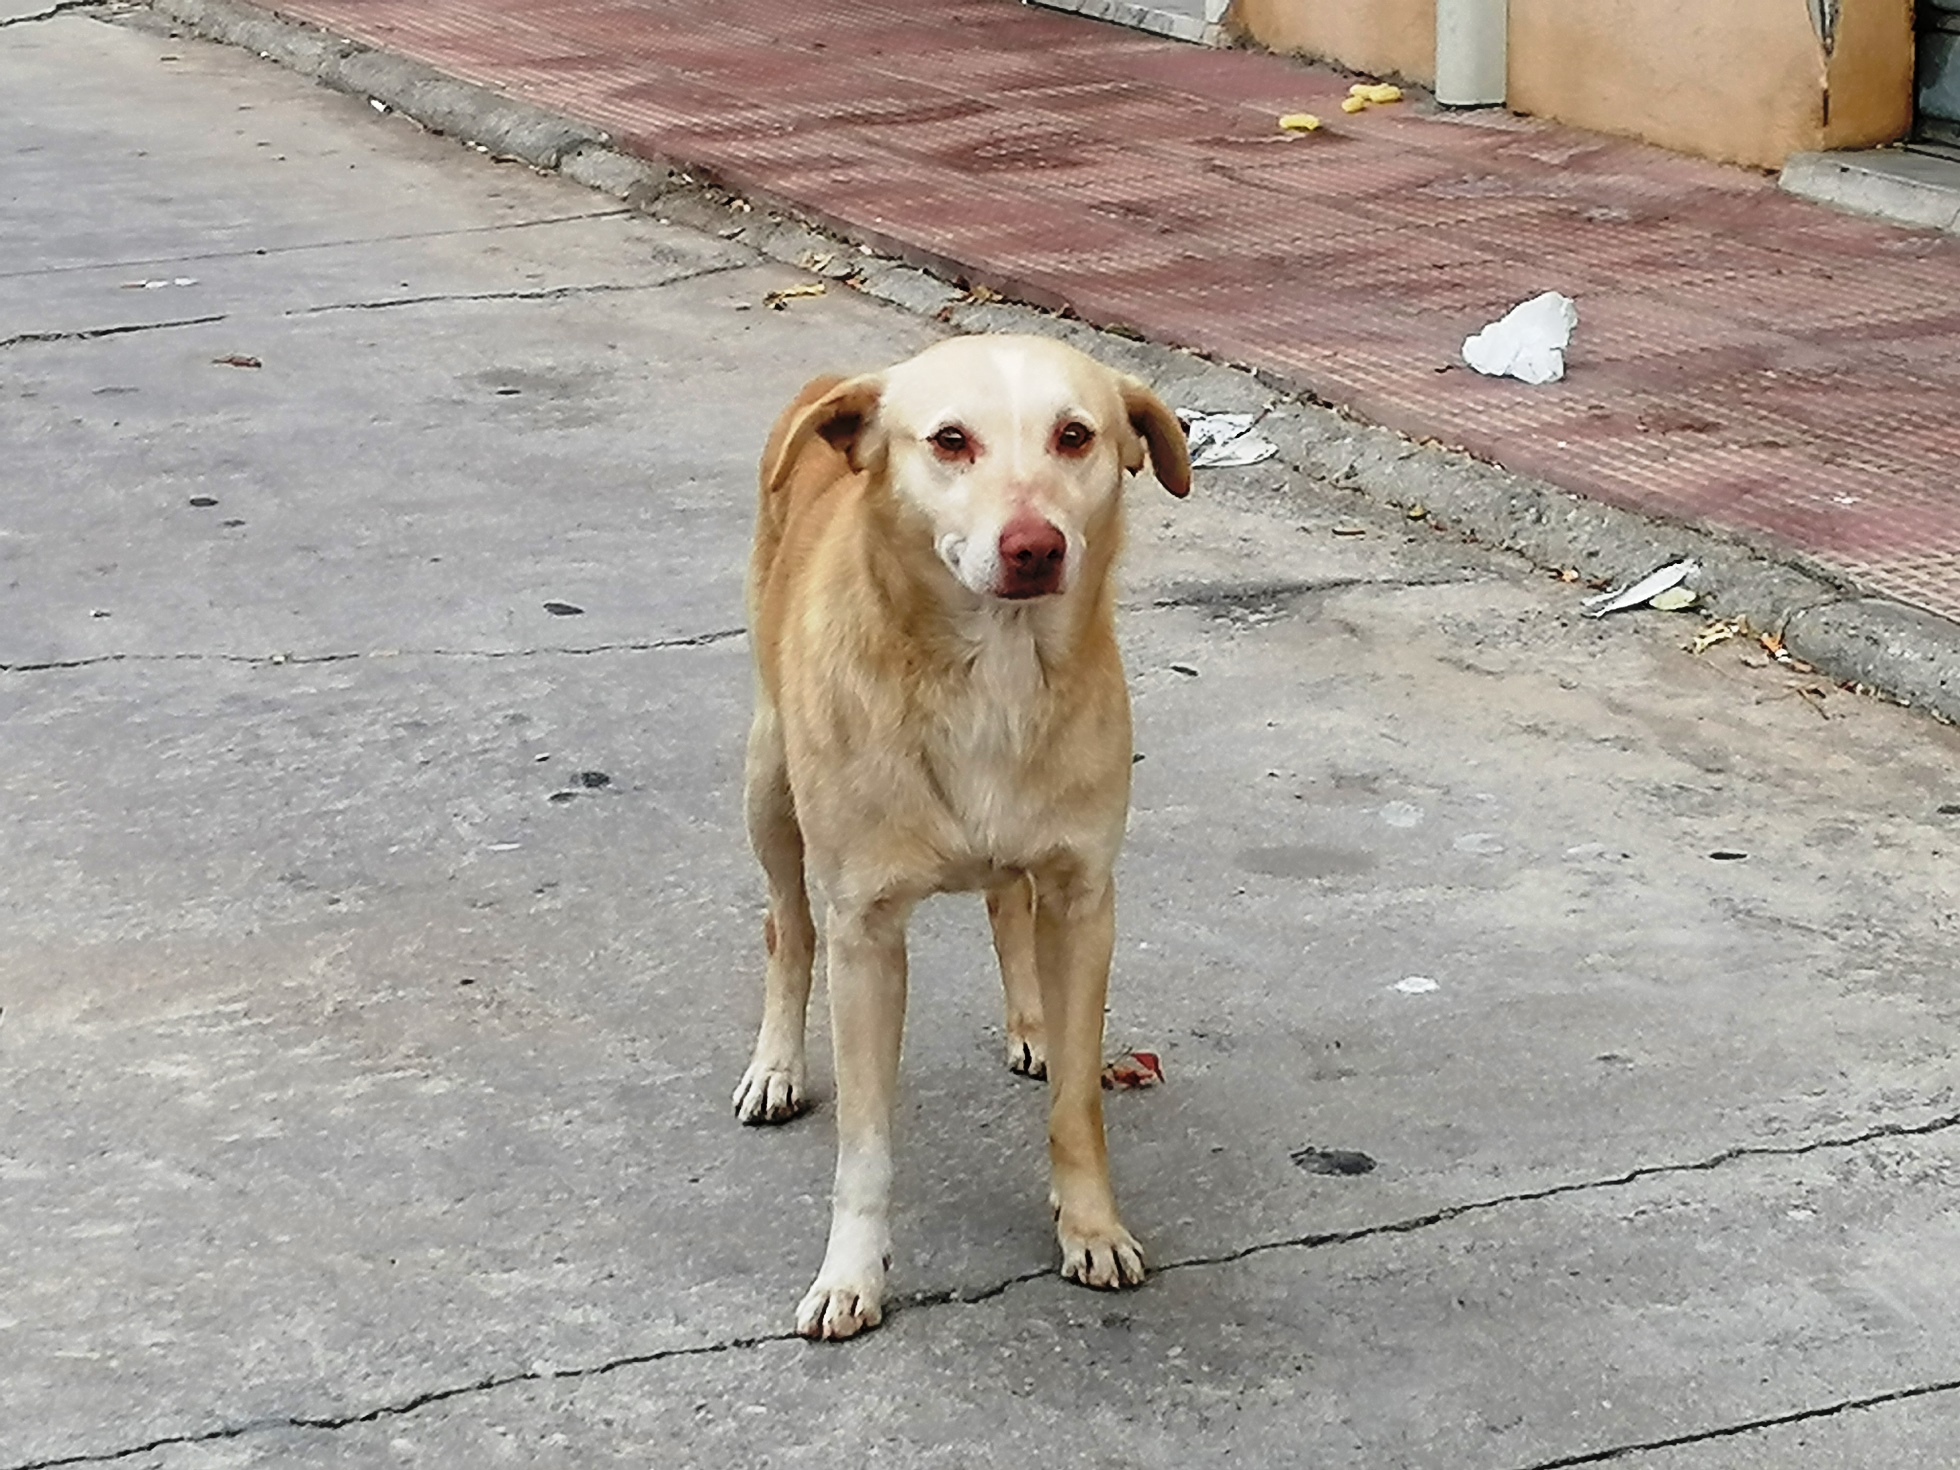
column 981, row 432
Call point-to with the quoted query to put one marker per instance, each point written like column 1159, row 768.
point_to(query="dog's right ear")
column 838, row 411
column 1157, row 427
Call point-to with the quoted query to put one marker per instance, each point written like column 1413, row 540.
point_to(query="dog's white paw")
column 1027, row 1053
column 1106, row 1259
column 838, row 1307
column 771, row 1092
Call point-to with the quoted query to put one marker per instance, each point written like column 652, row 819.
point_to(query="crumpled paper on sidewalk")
column 1527, row 342
column 1218, row 440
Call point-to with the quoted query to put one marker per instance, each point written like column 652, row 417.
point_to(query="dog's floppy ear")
column 838, row 411
column 1156, row 426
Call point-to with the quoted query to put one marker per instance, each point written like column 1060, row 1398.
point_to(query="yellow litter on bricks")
column 1299, row 122
column 1368, row 94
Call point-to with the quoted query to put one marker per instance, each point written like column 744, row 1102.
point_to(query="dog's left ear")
column 841, row 413
column 1156, row 426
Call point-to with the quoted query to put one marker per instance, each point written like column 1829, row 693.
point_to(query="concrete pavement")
column 364, row 1071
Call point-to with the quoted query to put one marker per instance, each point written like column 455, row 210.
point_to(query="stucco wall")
column 1871, row 75
column 1384, row 38
column 1746, row 81
column 1742, row 80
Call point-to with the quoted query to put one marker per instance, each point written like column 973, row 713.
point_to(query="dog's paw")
column 770, row 1092
column 1106, row 1259
column 1027, row 1053
column 836, row 1308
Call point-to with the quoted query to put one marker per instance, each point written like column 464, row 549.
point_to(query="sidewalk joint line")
column 279, row 660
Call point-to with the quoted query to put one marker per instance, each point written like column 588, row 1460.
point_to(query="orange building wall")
column 1745, row 81
column 1384, row 38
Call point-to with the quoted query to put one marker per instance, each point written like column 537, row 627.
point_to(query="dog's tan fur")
column 925, row 723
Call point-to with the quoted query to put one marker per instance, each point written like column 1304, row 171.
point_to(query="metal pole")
column 1471, row 40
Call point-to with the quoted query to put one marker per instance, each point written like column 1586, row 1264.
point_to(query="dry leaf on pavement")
column 778, row 300
column 1720, row 632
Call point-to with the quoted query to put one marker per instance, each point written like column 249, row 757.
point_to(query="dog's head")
column 1011, row 449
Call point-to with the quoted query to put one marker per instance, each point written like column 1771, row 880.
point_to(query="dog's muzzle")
column 1033, row 556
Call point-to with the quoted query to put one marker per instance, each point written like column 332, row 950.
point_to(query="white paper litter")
column 1527, row 342
column 1645, row 590
column 1415, row 985
column 1218, row 440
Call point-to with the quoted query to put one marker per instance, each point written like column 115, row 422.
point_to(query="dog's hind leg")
column 867, row 1024
column 1075, row 933
column 773, row 1089
column 1010, row 908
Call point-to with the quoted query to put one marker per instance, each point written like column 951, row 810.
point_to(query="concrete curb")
column 1913, row 189
column 1876, row 644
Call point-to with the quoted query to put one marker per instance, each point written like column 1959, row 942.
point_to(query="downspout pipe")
column 1471, row 41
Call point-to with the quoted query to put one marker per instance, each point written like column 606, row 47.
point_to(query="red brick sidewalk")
column 1744, row 360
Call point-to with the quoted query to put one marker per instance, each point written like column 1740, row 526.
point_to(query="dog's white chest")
column 1006, row 690
column 992, row 732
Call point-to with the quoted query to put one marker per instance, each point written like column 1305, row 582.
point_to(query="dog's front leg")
column 867, row 1024
column 773, row 1090
column 1075, row 934
column 1010, row 909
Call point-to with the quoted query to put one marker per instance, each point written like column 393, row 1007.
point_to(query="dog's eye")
column 950, row 440
column 1073, row 437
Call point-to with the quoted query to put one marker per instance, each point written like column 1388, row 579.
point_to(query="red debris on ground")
column 1132, row 1070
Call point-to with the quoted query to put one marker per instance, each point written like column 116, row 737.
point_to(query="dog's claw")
column 770, row 1093
column 1107, row 1260
column 1027, row 1057
column 833, row 1313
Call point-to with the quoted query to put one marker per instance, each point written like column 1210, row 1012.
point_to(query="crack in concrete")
column 539, row 293
column 542, row 293
column 1750, row 1426
column 1257, row 596
column 1413, row 1223
column 271, row 250
column 60, row 7
column 956, row 1295
column 1262, row 594
column 1267, row 594
column 281, row 660
column 332, row 1423
column 89, row 334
